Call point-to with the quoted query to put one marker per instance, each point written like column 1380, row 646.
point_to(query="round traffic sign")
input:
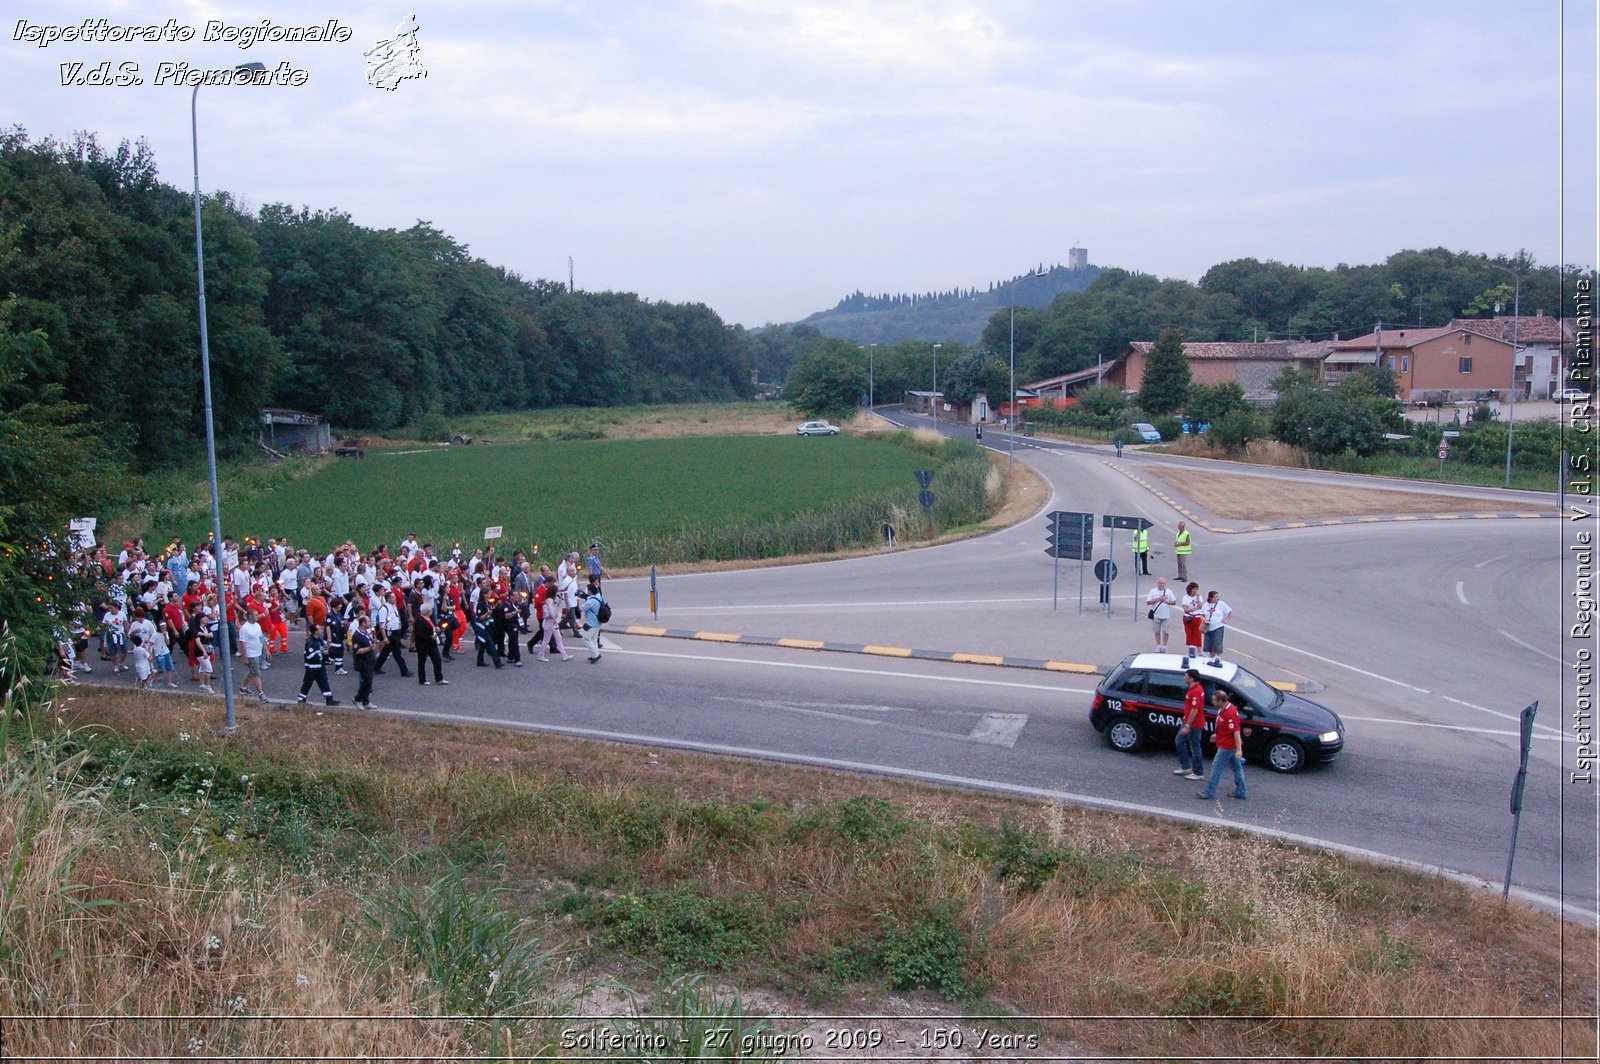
column 1105, row 570
column 926, row 498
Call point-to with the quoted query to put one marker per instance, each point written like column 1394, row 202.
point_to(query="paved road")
column 1428, row 638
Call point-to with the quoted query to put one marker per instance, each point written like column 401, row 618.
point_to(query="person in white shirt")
column 253, row 646
column 1160, row 602
column 1217, row 613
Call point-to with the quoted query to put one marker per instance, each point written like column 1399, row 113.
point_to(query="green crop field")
column 648, row 500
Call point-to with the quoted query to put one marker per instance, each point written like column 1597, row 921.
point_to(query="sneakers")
column 207, row 689
column 594, row 659
column 172, row 683
column 301, row 700
column 443, row 682
column 1194, row 776
column 330, row 701
column 1242, row 797
column 1180, row 771
column 1203, row 796
column 262, row 699
column 426, row 683
column 566, row 657
column 340, row 672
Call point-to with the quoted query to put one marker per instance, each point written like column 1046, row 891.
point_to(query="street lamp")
column 1011, row 400
column 1516, row 356
column 871, row 350
column 224, row 652
column 933, row 400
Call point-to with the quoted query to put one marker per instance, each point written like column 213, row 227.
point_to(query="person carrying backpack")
column 596, row 612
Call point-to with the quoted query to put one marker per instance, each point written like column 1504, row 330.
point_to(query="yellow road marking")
column 979, row 659
column 639, row 629
column 888, row 652
column 717, row 637
column 802, row 644
column 1070, row 666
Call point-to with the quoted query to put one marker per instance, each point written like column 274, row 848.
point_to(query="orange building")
column 1439, row 364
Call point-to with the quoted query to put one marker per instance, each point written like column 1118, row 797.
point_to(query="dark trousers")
column 1142, row 559
column 392, row 647
column 447, row 636
column 426, row 653
column 485, row 642
column 507, row 643
column 364, row 688
column 318, row 676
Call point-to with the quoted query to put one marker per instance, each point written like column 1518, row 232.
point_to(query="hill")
column 959, row 314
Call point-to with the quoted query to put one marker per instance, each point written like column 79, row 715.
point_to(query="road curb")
column 1322, row 522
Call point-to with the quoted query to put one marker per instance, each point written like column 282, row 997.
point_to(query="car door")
column 1257, row 725
column 1163, row 704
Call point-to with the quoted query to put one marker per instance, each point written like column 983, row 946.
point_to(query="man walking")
column 253, row 645
column 1181, row 546
column 1191, row 765
column 1141, row 549
column 1230, row 748
column 387, row 628
column 1160, row 602
column 591, row 604
column 316, row 667
column 365, row 651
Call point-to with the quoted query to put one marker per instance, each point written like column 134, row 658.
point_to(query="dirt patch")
column 1251, row 498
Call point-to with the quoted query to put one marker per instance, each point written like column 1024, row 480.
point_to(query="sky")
column 769, row 158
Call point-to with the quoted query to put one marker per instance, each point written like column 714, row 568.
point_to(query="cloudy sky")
column 768, row 157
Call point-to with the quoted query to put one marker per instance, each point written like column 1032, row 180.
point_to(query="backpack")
column 603, row 614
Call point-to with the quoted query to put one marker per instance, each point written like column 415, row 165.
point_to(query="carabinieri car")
column 1141, row 701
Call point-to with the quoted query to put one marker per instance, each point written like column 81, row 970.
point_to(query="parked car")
column 1141, row 701
column 1147, row 432
column 817, row 428
column 1571, row 395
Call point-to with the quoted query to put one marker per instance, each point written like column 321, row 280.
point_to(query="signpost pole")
column 1516, row 796
column 1083, row 556
column 1055, row 592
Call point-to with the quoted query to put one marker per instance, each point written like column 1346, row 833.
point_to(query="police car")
column 1141, row 701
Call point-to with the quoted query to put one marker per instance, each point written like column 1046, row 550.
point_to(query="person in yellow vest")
column 1182, row 545
column 1141, row 549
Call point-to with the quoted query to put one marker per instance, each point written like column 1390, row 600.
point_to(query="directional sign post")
column 1134, row 524
column 926, row 497
column 1517, row 788
column 1071, row 536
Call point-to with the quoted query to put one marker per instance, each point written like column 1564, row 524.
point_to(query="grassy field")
column 317, row 865
column 648, row 500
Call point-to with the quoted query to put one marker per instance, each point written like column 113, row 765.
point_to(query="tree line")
column 1248, row 300
column 371, row 328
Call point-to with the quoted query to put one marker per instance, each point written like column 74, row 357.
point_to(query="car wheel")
column 1125, row 735
column 1286, row 755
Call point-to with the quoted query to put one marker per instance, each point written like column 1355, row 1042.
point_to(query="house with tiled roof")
column 1429, row 365
column 1253, row 366
column 1544, row 345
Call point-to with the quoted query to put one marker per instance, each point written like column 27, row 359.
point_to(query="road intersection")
column 1427, row 637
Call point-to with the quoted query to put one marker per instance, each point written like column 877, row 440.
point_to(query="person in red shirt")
column 1191, row 763
column 1230, row 748
column 276, row 624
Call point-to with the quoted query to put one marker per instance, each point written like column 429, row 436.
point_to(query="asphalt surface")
column 1428, row 638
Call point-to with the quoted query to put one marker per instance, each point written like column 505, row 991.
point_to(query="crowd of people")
column 358, row 611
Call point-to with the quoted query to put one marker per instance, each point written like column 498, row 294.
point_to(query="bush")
column 1234, row 430
column 432, row 427
column 1169, row 427
column 929, row 951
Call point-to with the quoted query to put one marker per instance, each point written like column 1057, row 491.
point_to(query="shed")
column 295, row 430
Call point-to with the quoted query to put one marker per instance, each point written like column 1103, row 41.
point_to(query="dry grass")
column 1247, row 497
column 1130, row 915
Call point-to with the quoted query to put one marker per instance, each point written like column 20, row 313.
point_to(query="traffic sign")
column 1117, row 521
column 924, row 477
column 926, row 499
column 1105, row 570
column 1071, row 535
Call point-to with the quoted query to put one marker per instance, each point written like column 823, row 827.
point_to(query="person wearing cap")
column 597, row 571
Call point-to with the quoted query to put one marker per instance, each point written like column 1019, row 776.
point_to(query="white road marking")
column 1461, row 593
column 1558, row 905
column 1559, row 737
column 1000, row 729
column 1536, row 650
column 1332, row 661
column 1497, row 713
column 1490, row 561
column 861, row 672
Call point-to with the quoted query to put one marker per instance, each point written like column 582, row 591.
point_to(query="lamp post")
column 871, row 350
column 1011, row 400
column 1516, row 355
column 933, row 400
column 224, row 651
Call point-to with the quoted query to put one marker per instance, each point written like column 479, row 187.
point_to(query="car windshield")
column 1256, row 690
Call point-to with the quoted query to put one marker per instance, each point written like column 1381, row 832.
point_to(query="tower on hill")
column 1077, row 258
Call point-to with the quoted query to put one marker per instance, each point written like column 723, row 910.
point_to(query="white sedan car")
column 817, row 428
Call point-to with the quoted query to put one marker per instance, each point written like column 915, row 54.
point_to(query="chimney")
column 1539, row 313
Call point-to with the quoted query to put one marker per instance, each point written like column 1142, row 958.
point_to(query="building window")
column 1405, row 363
column 1391, row 363
column 1466, row 364
column 1466, row 338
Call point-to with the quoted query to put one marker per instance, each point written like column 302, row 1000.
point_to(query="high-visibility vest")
column 1182, row 543
column 1141, row 541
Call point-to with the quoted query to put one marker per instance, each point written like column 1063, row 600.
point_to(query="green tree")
column 1107, row 404
column 827, row 381
column 1166, row 375
column 52, row 468
column 1213, row 402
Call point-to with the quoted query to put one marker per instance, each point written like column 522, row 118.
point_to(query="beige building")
column 1252, row 366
